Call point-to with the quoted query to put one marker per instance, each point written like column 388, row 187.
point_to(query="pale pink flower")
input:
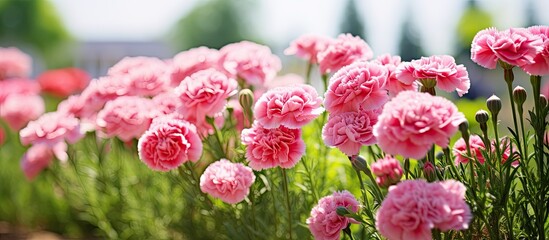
column 355, row 86
column 269, row 148
column 227, row 181
column 324, row 222
column 284, row 80
column 126, row 117
column 348, row 131
column 94, row 97
column 505, row 150
column 18, row 86
column 387, row 170
column 514, row 46
column 142, row 76
column 541, row 60
column 442, row 68
column 249, row 61
column 481, row 48
column 393, row 85
column 308, row 46
column 291, row 106
column 168, row 143
column 14, row 63
column 35, row 160
column 167, row 102
column 412, row 122
column 50, row 129
column 343, row 51
column 460, row 150
column 17, row 110
column 186, row 63
column 413, row 207
column 205, row 93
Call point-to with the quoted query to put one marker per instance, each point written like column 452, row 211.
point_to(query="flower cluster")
column 325, row 223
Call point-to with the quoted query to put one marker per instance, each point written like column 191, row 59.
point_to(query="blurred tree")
column 409, row 45
column 472, row 21
column 212, row 23
column 352, row 21
column 35, row 23
column 531, row 14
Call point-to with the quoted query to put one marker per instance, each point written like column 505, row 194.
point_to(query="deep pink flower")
column 442, row 68
column 350, row 130
column 413, row 207
column 186, row 63
column 541, row 60
column 17, row 110
column 205, row 93
column 291, row 106
column 63, row 82
column 269, row 148
column 249, row 61
column 308, row 46
column 343, row 51
column 50, row 129
column 168, row 143
column 324, row 222
column 14, row 63
column 387, row 170
column 18, row 86
column 515, row 46
column 505, row 149
column 393, row 86
column 460, row 149
column 227, row 181
column 412, row 122
column 126, row 117
column 142, row 76
column 355, row 86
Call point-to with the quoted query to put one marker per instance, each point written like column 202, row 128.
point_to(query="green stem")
column 218, row 137
column 308, row 72
column 362, row 188
column 524, row 137
column 539, row 127
column 288, row 205
column 509, row 77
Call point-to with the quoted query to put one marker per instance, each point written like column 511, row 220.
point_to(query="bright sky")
column 280, row 21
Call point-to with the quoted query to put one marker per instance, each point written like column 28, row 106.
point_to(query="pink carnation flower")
column 17, row 110
column 35, row 160
column 442, row 68
column 291, row 106
column 350, row 130
column 515, row 46
column 186, row 63
column 393, row 86
column 142, row 76
column 412, row 122
column 460, row 149
column 93, row 98
column 269, row 148
column 205, row 93
column 343, row 51
column 387, row 170
column 413, row 207
column 64, row 81
column 324, row 222
column 18, row 86
column 541, row 60
column 167, row 102
column 227, row 181
column 249, row 61
column 14, row 63
column 50, row 129
column 308, row 46
column 505, row 148
column 168, row 143
column 355, row 86
column 126, row 117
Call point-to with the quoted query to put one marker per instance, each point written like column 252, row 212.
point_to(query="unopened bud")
column 542, row 101
column 342, row 211
column 246, row 98
column 494, row 105
column 482, row 116
column 519, row 95
column 464, row 128
column 359, row 164
column 428, row 169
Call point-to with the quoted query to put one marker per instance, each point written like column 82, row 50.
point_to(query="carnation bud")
column 359, row 164
column 519, row 95
column 482, row 116
column 342, row 211
column 428, row 169
column 464, row 129
column 542, row 101
column 494, row 105
column 246, row 100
